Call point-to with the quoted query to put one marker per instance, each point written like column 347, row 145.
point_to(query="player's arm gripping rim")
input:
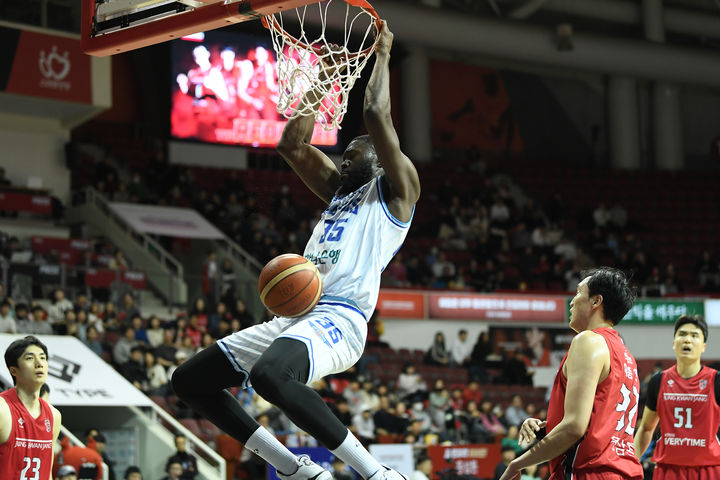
column 315, row 169
column 644, row 432
column 588, row 363
column 402, row 185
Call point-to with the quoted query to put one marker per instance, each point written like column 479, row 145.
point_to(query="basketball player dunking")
column 594, row 400
column 371, row 201
column 685, row 400
column 29, row 425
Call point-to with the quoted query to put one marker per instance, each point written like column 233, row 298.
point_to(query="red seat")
column 230, row 449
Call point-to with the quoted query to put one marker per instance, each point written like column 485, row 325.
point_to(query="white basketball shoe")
column 307, row 470
column 386, row 473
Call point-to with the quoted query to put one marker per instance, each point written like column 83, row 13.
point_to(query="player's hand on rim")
column 528, row 431
column 385, row 39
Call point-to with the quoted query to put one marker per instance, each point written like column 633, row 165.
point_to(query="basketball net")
column 325, row 69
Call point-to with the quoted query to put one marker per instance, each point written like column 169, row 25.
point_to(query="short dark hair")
column 170, row 461
column 44, row 389
column 697, row 320
column 614, row 286
column 16, row 349
column 132, row 469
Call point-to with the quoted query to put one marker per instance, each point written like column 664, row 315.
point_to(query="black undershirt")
column 654, row 390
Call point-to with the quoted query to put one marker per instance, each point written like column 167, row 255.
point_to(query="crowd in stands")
column 412, row 408
column 484, row 234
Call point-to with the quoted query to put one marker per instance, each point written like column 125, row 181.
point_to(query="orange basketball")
column 289, row 285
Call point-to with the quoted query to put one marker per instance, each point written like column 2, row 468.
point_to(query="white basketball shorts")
column 333, row 333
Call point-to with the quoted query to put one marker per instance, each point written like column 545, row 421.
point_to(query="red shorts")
column 681, row 472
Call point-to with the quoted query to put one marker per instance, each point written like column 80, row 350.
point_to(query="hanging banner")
column 659, row 310
column 168, row 221
column 47, row 66
column 515, row 308
column 662, row 311
column 471, row 108
column 78, row 377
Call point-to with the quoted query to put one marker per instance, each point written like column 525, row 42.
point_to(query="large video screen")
column 224, row 90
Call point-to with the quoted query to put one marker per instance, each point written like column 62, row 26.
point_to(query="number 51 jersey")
column 607, row 445
column 689, row 419
column 352, row 244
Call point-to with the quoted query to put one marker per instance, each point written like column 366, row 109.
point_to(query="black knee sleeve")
column 285, row 360
column 279, row 376
column 208, row 370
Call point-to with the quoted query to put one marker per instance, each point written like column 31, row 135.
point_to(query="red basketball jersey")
column 689, row 419
column 28, row 452
column 607, row 445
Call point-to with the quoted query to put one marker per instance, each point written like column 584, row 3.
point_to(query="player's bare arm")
column 5, row 421
column 588, row 364
column 315, row 169
column 402, row 179
column 57, row 423
column 644, row 432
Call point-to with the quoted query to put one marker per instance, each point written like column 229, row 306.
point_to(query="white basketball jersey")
column 351, row 245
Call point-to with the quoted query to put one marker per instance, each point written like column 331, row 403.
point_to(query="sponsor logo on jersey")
column 671, row 439
column 21, row 422
column 685, row 397
column 703, row 384
column 671, row 382
column 47, row 425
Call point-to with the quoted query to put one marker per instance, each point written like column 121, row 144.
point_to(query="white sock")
column 354, row 454
column 266, row 446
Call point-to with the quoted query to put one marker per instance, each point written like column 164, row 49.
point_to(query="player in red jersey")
column 29, row 425
column 684, row 400
column 594, row 400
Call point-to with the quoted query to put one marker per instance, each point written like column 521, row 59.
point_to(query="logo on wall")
column 54, row 67
column 62, row 368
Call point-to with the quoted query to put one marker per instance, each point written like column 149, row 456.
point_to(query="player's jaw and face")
column 581, row 307
column 689, row 343
column 32, row 368
column 359, row 166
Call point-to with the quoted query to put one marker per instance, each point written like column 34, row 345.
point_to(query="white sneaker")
column 386, row 473
column 307, row 470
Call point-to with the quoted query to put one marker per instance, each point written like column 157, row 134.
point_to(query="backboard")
column 115, row 26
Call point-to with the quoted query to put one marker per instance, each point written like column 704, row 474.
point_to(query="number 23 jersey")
column 607, row 445
column 352, row 244
column 689, row 417
column 27, row 454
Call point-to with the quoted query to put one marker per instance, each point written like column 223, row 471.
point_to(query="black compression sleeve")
column 653, row 391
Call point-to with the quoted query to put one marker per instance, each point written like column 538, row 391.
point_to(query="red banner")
column 401, row 304
column 104, row 278
column 516, row 308
column 477, row 460
column 470, row 107
column 50, row 66
column 25, row 202
column 49, row 244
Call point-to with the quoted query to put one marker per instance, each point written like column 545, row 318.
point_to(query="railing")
column 94, row 197
column 232, row 249
column 211, row 457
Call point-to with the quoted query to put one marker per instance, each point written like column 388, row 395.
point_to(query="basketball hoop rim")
column 355, row 3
